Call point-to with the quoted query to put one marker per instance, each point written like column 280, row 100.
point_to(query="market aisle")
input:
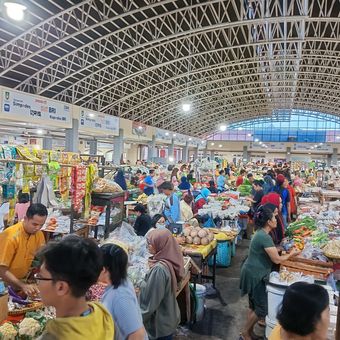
column 224, row 322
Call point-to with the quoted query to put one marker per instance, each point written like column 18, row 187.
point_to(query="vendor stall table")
column 201, row 255
column 109, row 200
column 183, row 298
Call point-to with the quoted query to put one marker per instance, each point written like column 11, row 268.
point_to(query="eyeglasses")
column 40, row 278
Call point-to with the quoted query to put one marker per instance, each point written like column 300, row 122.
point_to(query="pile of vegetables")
column 29, row 328
column 244, row 189
column 301, row 228
column 319, row 238
column 198, row 235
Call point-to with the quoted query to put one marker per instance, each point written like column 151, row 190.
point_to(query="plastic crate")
column 223, row 256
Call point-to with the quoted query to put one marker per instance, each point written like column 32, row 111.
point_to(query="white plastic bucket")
column 275, row 296
column 200, row 301
column 270, row 325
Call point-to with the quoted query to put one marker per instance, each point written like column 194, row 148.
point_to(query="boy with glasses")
column 68, row 269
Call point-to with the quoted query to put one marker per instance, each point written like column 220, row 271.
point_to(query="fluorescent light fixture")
column 260, row 143
column 190, row 138
column 267, row 151
column 337, row 137
column 315, row 146
column 174, row 135
column 220, row 145
column 40, row 132
column 240, row 128
column 167, row 133
column 256, row 139
column 15, row 10
column 249, row 134
column 140, row 127
column 212, row 144
column 288, row 153
column 186, row 107
column 171, row 159
column 312, row 147
column 92, row 115
column 309, row 153
column 202, row 142
column 320, row 143
column 223, row 127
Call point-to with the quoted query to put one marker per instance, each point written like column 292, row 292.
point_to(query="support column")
column 335, row 156
column 118, row 147
column 185, row 152
column 93, row 147
column 288, row 154
column 245, row 154
column 47, row 143
column 152, row 152
column 72, row 137
column 196, row 153
column 171, row 149
column 329, row 160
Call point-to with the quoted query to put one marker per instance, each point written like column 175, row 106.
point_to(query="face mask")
column 160, row 226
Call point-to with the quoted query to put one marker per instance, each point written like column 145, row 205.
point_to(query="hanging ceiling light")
column 220, row 145
column 223, row 127
column 212, row 144
column 190, row 138
column 91, row 115
column 15, row 10
column 186, row 107
column 40, row 132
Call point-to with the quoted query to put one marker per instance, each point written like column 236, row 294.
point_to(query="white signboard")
column 310, row 147
column 163, row 135
column 255, row 146
column 25, row 107
column 95, row 121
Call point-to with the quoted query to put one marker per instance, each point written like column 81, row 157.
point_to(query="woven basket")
column 29, row 308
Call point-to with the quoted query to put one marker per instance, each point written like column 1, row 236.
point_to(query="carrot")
column 307, row 233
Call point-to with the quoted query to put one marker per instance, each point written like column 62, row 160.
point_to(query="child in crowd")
column 22, row 206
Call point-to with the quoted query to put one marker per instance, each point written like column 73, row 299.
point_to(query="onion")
column 187, row 231
column 202, row 233
column 204, row 241
column 197, row 240
column 193, row 233
column 188, row 239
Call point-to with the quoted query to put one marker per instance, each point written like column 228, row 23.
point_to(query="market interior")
column 169, row 169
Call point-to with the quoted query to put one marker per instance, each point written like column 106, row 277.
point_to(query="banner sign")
column 25, row 107
column 96, row 121
column 309, row 147
column 255, row 146
column 139, row 129
column 163, row 135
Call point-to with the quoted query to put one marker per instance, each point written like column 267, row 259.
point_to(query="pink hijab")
column 168, row 253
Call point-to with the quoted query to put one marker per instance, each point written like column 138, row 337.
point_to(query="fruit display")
column 197, row 236
column 142, row 199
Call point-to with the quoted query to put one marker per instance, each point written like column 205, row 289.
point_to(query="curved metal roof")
column 140, row 60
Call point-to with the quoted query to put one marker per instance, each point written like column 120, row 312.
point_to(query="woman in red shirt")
column 240, row 178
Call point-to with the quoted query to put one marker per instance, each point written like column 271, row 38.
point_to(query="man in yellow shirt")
column 68, row 269
column 18, row 246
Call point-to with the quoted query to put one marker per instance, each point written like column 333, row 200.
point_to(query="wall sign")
column 95, row 121
column 25, row 107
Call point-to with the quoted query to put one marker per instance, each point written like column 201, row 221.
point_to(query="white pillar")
column 245, row 153
column 118, row 147
column 72, row 137
column 196, row 153
column 335, row 156
column 152, row 152
column 288, row 154
column 185, row 153
column 47, row 143
column 171, row 149
column 93, row 147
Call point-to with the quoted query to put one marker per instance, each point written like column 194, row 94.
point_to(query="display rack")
column 109, row 200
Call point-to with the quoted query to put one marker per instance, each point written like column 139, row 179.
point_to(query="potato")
column 197, row 240
column 188, row 239
column 193, row 233
column 198, row 229
column 202, row 233
column 187, row 231
column 204, row 241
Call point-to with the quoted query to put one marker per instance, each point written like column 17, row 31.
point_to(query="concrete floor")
column 223, row 322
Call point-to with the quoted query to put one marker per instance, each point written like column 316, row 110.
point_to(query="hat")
column 280, row 179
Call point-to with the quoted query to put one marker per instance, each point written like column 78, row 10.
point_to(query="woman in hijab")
column 281, row 189
column 201, row 199
column 184, row 185
column 159, row 307
column 120, row 179
column 273, row 202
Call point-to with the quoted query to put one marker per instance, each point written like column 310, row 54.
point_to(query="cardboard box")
column 3, row 307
